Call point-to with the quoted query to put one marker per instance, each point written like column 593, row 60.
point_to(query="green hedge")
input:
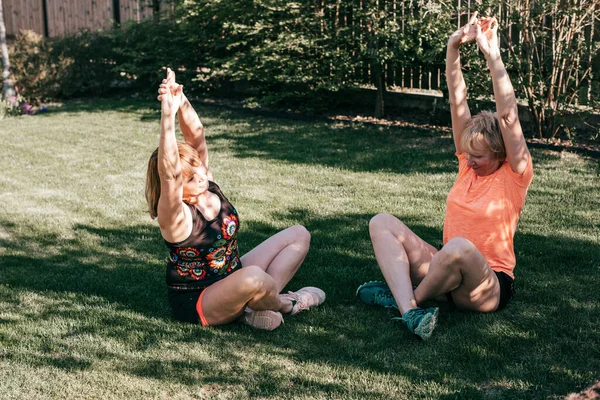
column 295, row 54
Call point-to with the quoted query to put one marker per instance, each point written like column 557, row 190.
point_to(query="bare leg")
column 225, row 301
column 406, row 260
column 461, row 269
column 402, row 256
column 266, row 270
column 281, row 255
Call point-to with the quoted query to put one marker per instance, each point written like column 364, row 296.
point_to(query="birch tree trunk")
column 8, row 86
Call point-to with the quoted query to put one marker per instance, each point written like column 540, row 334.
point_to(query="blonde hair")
column 484, row 129
column 189, row 159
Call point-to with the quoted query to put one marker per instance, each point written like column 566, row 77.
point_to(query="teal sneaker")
column 376, row 293
column 421, row 321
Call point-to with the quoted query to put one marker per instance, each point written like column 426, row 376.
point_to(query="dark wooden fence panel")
column 23, row 14
column 69, row 16
column 135, row 10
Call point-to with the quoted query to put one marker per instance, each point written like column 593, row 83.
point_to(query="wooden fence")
column 60, row 17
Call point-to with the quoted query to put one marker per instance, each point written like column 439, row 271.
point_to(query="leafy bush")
column 37, row 73
column 97, row 63
column 10, row 108
column 63, row 67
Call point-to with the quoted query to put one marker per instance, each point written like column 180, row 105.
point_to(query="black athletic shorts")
column 183, row 304
column 507, row 289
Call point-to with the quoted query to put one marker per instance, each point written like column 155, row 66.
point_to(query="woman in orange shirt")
column 474, row 269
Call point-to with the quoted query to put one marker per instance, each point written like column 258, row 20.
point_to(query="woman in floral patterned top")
column 205, row 279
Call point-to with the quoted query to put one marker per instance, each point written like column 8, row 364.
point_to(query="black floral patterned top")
column 210, row 253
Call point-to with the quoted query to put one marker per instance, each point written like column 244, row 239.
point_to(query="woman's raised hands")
column 483, row 30
column 487, row 36
column 170, row 80
column 465, row 34
column 170, row 94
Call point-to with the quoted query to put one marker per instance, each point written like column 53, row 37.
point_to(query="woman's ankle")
column 286, row 306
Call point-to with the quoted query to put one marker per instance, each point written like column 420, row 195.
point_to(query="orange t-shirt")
column 486, row 209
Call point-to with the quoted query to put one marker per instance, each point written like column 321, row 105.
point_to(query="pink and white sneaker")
column 267, row 319
column 304, row 299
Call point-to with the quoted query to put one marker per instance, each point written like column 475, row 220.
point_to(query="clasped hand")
column 170, row 94
column 482, row 30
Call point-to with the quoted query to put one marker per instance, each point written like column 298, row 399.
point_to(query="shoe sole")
column 266, row 320
column 427, row 325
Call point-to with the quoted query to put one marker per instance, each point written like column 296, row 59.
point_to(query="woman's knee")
column 384, row 221
column 300, row 234
column 388, row 224
column 457, row 250
column 253, row 280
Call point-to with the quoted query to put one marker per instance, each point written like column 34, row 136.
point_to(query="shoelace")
column 382, row 298
column 296, row 301
column 410, row 319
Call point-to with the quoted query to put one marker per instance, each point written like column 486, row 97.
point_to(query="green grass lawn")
column 83, row 310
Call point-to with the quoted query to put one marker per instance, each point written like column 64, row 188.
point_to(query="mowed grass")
column 83, row 310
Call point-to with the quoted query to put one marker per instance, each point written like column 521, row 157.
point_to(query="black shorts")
column 183, row 304
column 507, row 290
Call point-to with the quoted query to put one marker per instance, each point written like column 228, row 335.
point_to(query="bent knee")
column 254, row 280
column 301, row 234
column 458, row 249
column 382, row 222
column 388, row 224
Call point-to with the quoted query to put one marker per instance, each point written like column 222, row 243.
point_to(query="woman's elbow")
column 168, row 174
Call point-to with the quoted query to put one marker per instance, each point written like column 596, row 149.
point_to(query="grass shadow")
column 356, row 146
column 118, row 297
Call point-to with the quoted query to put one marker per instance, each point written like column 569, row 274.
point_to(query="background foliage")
column 305, row 54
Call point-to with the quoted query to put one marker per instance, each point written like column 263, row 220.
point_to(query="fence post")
column 45, row 18
column 117, row 11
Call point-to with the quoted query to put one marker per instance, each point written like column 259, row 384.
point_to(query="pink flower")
column 28, row 109
column 229, row 226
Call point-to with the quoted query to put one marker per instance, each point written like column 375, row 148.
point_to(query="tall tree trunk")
column 8, row 86
column 380, row 84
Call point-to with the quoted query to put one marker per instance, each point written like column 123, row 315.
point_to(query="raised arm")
column 457, row 89
column 173, row 217
column 517, row 153
column 189, row 123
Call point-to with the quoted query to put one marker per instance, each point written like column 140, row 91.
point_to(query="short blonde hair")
column 189, row 159
column 484, row 129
